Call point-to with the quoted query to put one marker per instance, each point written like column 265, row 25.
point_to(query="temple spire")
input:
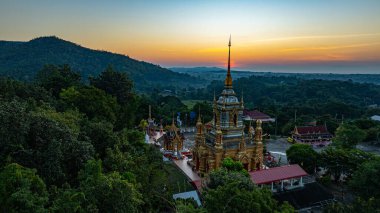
column 150, row 112
column 199, row 115
column 228, row 81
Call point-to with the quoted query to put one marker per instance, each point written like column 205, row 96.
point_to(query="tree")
column 101, row 135
column 223, row 177
column 15, row 120
column 348, row 136
column 95, row 103
column 340, row 162
column 358, row 206
column 366, row 180
column 235, row 166
column 304, row 155
column 21, row 190
column 56, row 78
column 107, row 192
column 114, row 83
column 43, row 140
column 234, row 192
column 188, row 206
column 66, row 199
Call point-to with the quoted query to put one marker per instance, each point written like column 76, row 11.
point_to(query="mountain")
column 196, row 69
column 22, row 60
column 216, row 73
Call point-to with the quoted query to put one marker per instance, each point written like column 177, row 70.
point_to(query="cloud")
column 329, row 47
column 317, row 37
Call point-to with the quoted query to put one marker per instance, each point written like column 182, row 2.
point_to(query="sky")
column 340, row 36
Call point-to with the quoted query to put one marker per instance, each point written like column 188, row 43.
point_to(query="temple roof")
column 311, row 129
column 277, row 174
column 256, row 115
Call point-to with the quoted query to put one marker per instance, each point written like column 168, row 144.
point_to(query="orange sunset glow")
column 176, row 33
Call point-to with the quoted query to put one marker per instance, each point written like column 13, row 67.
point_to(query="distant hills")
column 216, row 73
column 22, row 60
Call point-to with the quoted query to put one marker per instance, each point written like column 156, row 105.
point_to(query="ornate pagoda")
column 226, row 136
column 173, row 140
column 151, row 127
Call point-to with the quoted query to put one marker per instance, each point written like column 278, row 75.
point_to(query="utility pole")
column 275, row 129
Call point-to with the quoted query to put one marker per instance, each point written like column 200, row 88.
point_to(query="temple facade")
column 173, row 141
column 226, row 136
column 314, row 135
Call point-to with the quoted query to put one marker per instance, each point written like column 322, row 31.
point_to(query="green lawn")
column 190, row 103
column 178, row 181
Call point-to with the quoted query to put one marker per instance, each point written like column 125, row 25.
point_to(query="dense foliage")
column 63, row 147
column 233, row 191
column 304, row 155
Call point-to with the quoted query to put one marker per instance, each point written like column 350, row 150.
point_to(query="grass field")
column 190, row 103
column 178, row 181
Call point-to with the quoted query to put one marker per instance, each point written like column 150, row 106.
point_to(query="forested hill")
column 22, row 60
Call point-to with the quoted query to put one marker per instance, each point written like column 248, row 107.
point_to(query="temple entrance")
column 245, row 165
column 258, row 166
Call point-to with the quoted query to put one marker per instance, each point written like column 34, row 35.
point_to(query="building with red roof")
column 255, row 115
column 315, row 135
column 279, row 178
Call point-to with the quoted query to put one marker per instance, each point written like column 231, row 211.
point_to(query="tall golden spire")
column 228, row 81
column 150, row 112
column 199, row 115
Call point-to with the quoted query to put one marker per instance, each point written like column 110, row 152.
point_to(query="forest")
column 74, row 146
column 294, row 101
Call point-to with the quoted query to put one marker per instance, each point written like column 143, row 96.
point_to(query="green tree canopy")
column 108, row 192
column 235, row 192
column 56, row 78
column 21, row 190
column 340, row 162
column 95, row 103
column 348, row 136
column 304, row 155
column 365, row 180
column 114, row 83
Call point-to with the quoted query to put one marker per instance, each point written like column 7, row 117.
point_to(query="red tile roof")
column 198, row 185
column 277, row 174
column 255, row 114
column 311, row 129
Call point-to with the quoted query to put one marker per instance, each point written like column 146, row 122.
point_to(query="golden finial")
column 228, row 81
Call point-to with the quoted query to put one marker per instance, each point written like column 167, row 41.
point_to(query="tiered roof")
column 302, row 130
